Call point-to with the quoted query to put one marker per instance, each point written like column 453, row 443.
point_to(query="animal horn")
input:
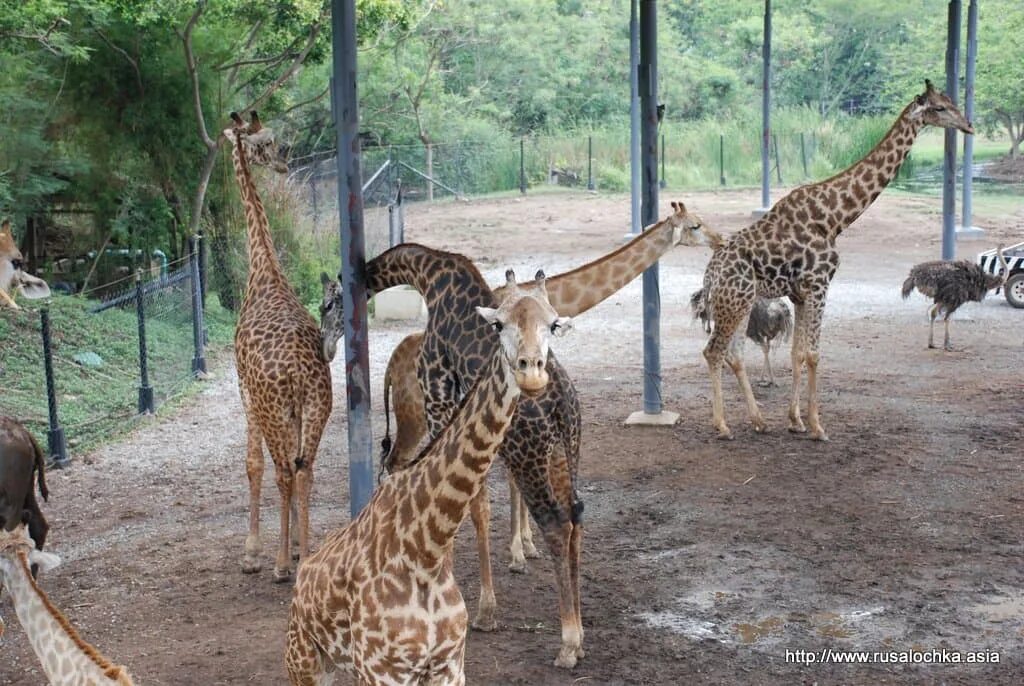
column 255, row 124
column 1002, row 261
column 928, row 87
column 510, row 277
column 541, row 278
column 237, row 119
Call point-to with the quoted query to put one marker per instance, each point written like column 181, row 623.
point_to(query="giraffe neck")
column 434, row 273
column 845, row 196
column 58, row 646
column 454, row 466
column 263, row 264
column 575, row 292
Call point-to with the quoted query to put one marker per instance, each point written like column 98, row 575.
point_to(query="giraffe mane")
column 110, row 670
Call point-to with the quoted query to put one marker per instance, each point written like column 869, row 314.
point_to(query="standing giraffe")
column 67, row 660
column 791, row 251
column 284, row 383
column 542, row 450
column 379, row 597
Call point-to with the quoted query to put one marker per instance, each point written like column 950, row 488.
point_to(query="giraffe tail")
column 40, row 468
column 385, row 443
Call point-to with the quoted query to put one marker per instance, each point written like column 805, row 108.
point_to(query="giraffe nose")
column 531, row 375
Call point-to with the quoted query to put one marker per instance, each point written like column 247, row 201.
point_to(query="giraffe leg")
column 480, row 512
column 715, row 353
column 286, row 487
column 575, row 555
column 294, row 528
column 812, row 357
column 254, row 471
column 303, row 659
column 734, row 358
column 525, row 530
column 932, row 313
column 314, row 418
column 767, row 378
column 566, row 553
column 796, row 424
column 518, row 563
column 300, row 511
column 8, row 299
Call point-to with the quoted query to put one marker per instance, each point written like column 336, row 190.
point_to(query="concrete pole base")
column 663, row 418
column 969, row 232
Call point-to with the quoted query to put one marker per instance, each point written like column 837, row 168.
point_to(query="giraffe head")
column 332, row 326
column 525, row 322
column 258, row 141
column 937, row 109
column 17, row 542
column 687, row 228
column 12, row 276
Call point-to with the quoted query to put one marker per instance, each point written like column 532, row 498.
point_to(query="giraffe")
column 12, row 276
column 379, row 597
column 284, row 383
column 67, row 660
column 791, row 251
column 527, row 461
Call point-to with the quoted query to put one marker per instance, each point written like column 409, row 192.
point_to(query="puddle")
column 687, row 626
column 1001, row 609
column 751, row 633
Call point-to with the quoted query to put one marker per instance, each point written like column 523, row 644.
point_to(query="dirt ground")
column 704, row 561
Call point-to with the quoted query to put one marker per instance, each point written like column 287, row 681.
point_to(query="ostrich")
column 950, row 284
column 770, row 320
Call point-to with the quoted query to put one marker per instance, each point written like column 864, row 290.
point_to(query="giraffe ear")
column 6, row 226
column 510, row 277
column 324, row 279
column 928, row 87
column 489, row 314
column 561, row 326
column 46, row 561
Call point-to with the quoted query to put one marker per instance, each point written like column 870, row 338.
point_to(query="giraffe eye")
column 497, row 326
column 940, row 108
column 554, row 327
column 17, row 264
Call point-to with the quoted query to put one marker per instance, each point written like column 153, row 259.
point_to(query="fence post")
column 55, row 439
column 590, row 163
column 145, row 390
column 661, row 182
column 522, row 167
column 198, row 361
column 721, row 159
column 803, row 153
column 778, row 167
column 396, row 221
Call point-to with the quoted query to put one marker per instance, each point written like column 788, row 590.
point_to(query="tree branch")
column 193, row 72
column 121, row 51
column 314, row 33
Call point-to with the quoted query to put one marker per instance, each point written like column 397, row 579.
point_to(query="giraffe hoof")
column 282, row 576
column 566, row 658
column 580, row 653
column 531, row 552
column 820, row 435
column 725, row 435
column 797, row 429
column 517, row 566
column 251, row 566
column 485, row 623
column 760, row 428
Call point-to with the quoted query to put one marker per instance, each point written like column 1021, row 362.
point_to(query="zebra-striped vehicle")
column 1013, row 289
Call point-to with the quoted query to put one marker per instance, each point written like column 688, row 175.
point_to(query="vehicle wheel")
column 1014, row 289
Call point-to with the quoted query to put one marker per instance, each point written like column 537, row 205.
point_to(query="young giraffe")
column 284, row 383
column 791, row 251
column 379, row 597
column 12, row 278
column 67, row 660
column 542, row 451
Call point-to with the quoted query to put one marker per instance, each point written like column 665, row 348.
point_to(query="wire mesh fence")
column 104, row 357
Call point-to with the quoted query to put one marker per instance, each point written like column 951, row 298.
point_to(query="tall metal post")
column 803, row 153
column 522, row 166
column 766, row 101
column 55, row 440
column 949, row 158
column 353, row 254
column 721, row 159
column 968, row 182
column 590, row 163
column 145, row 390
column 648, row 82
column 198, row 339
column 661, row 179
column 634, row 119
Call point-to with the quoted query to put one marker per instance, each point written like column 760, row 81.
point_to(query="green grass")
column 95, row 404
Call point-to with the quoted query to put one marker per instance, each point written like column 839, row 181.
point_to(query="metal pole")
column 145, row 390
column 778, row 164
column 634, row 119
column 198, row 360
column 648, row 89
column 972, row 55
column 949, row 158
column 522, row 166
column 661, row 179
column 721, row 159
column 55, row 439
column 590, row 163
column 803, row 153
column 766, row 81
column 353, row 254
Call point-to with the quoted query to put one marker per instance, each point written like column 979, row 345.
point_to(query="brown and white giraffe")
column 67, row 660
column 379, row 597
column 542, row 451
column 791, row 251
column 284, row 383
column 13, row 278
